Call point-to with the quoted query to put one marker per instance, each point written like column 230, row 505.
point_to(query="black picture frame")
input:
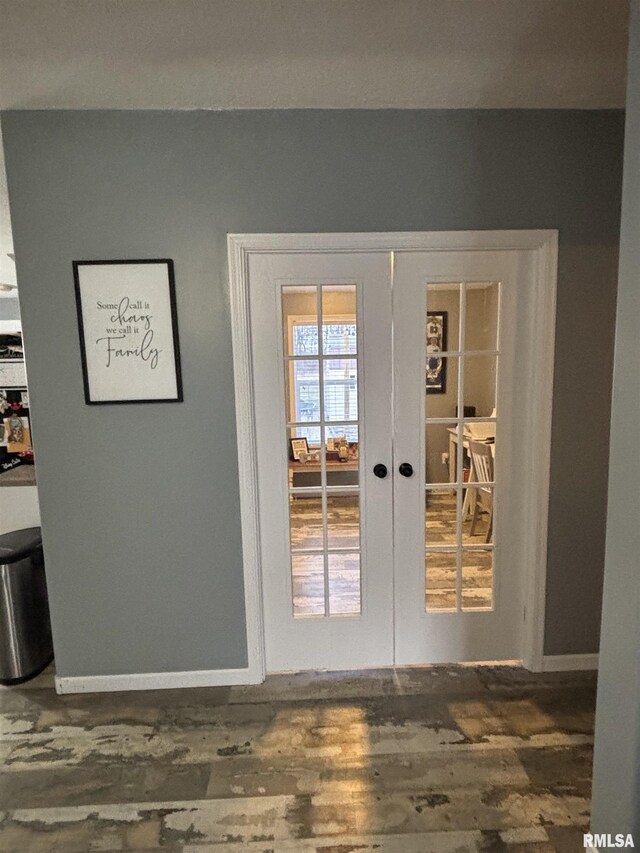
column 168, row 262
column 294, row 453
column 436, row 366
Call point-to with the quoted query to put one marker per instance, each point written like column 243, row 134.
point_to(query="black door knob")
column 406, row 469
column 380, row 470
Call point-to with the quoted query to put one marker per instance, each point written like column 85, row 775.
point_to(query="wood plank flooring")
column 343, row 527
column 419, row 760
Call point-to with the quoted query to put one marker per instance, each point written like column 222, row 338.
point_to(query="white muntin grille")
column 459, row 535
column 321, row 355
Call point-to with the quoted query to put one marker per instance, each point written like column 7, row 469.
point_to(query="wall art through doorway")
column 436, row 379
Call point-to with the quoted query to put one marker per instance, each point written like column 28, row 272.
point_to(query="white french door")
column 392, row 400
column 458, row 580
column 321, row 359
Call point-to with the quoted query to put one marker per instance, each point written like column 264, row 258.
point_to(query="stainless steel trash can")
column 25, row 629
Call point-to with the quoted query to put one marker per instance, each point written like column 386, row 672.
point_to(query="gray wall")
column 616, row 779
column 142, row 528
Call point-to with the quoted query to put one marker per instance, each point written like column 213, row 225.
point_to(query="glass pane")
column 440, row 587
column 323, row 533
column 341, row 389
column 440, row 517
column 305, row 522
column 339, row 331
column 343, row 521
column 307, row 576
column 300, row 320
column 441, row 386
column 336, row 435
column 443, row 316
column 440, row 453
column 304, row 451
column 480, row 372
column 344, row 583
column 481, row 316
column 301, row 451
column 477, row 514
column 302, row 382
column 477, row 579
column 481, row 448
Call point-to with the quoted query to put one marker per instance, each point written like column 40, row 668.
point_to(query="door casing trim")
column 544, row 244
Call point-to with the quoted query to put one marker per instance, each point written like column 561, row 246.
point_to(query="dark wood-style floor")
column 431, row 760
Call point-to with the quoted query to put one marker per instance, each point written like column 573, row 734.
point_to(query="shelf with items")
column 15, row 423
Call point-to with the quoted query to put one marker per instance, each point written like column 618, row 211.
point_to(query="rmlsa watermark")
column 601, row 841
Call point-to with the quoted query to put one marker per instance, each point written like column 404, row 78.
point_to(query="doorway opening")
column 394, row 428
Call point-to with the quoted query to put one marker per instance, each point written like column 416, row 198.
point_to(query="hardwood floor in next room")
column 343, row 523
column 421, row 760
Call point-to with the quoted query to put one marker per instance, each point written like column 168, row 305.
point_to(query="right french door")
column 458, row 417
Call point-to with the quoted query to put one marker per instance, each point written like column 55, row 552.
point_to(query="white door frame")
column 543, row 244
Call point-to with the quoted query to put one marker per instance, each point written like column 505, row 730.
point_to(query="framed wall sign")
column 128, row 331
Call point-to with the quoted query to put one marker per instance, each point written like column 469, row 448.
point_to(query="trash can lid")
column 19, row 544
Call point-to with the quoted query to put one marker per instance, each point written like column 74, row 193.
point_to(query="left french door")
column 321, row 341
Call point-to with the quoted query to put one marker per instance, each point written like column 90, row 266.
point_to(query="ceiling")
column 263, row 54
column 231, row 54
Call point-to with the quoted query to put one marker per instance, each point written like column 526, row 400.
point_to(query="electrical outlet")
column 445, row 458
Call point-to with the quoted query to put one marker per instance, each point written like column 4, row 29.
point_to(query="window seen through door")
column 340, row 374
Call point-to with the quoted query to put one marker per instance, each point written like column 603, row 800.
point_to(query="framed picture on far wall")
column 436, row 374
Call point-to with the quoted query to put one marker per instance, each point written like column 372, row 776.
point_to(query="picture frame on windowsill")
column 298, row 446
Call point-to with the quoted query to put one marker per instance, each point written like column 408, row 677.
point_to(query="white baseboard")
column 156, row 680
column 567, row 663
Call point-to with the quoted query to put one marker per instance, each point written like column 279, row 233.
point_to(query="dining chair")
column 482, row 464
